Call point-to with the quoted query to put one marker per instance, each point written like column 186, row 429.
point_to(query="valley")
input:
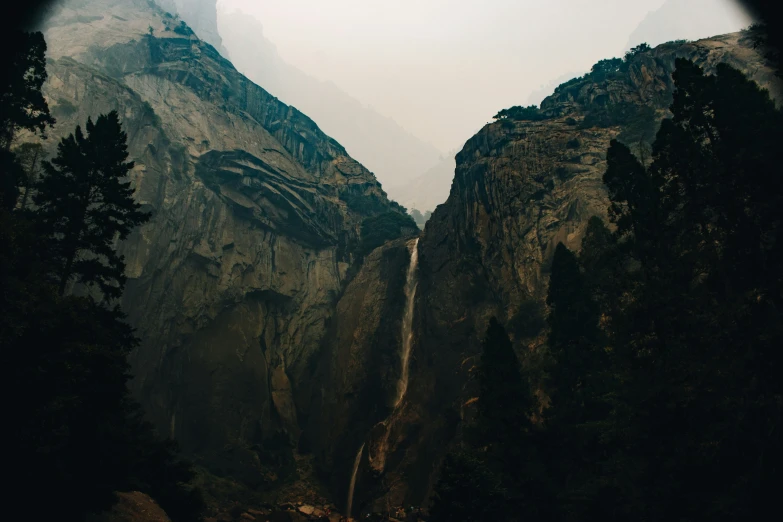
column 312, row 348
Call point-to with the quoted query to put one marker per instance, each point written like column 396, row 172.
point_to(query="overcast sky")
column 443, row 68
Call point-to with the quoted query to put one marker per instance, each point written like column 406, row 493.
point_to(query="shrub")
column 518, row 113
column 636, row 51
column 568, row 84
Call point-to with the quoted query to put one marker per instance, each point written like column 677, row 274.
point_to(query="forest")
column 662, row 361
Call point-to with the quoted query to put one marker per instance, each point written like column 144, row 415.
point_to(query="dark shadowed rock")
column 256, row 218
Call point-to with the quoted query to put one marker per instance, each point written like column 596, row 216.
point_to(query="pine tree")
column 577, row 385
column 574, row 340
column 503, row 453
column 22, row 105
column 698, row 409
column 505, row 402
column 77, row 436
column 85, row 205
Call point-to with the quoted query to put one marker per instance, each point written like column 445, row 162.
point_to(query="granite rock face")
column 520, row 188
column 256, row 215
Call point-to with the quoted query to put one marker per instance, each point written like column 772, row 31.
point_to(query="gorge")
column 270, row 335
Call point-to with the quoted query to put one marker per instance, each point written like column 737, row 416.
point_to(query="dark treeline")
column 663, row 361
column 76, row 436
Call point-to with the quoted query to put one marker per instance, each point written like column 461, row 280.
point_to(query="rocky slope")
column 520, row 187
column 256, row 214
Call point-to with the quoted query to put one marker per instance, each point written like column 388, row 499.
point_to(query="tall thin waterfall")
column 352, row 484
column 411, row 284
column 378, row 447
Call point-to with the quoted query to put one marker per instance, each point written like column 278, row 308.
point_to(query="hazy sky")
column 443, row 68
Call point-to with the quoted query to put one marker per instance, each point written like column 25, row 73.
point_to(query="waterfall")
column 377, row 451
column 411, row 283
column 352, row 484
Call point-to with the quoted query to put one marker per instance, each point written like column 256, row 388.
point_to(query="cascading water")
column 352, row 484
column 378, row 460
column 411, row 284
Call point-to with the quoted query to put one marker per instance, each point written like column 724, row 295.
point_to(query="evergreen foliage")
column 665, row 401
column 22, row 105
column 501, row 460
column 636, row 51
column 517, row 113
column 85, row 204
column 606, row 68
column 77, row 435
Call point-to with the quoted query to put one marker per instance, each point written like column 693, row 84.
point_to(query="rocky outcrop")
column 520, row 188
column 256, row 216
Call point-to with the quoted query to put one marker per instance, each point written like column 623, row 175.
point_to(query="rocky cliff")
column 256, row 214
column 520, row 187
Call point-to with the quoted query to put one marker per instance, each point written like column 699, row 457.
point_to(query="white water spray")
column 411, row 284
column 352, row 484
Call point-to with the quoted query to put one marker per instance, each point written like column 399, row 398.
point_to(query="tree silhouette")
column 85, row 205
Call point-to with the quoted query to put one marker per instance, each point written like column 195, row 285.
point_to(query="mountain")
column 255, row 231
column 520, row 188
column 691, row 19
column 271, row 338
column 199, row 15
column 392, row 153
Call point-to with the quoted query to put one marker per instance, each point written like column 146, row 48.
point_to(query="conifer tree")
column 86, row 204
column 505, row 401
column 77, row 435
column 22, row 105
column 573, row 333
column 702, row 228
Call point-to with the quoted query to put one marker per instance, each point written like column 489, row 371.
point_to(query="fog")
column 443, row 68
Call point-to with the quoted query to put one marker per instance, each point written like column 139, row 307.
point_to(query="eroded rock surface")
column 520, row 188
column 256, row 214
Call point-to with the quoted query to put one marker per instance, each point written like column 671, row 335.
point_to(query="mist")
column 443, row 68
